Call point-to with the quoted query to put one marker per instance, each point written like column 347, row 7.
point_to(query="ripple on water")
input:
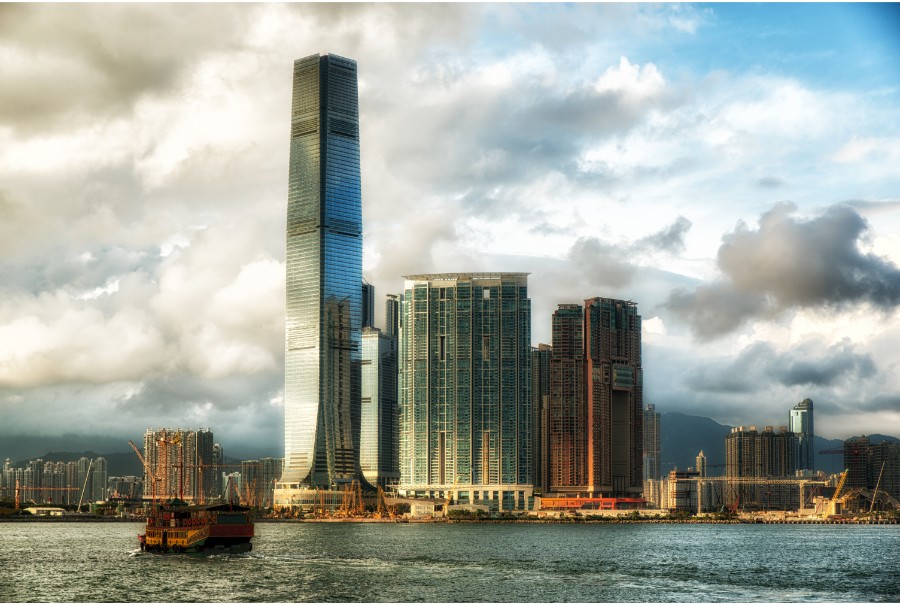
column 435, row 562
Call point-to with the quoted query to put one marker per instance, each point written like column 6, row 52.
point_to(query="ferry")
column 178, row 527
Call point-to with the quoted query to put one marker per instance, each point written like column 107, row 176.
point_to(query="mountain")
column 29, row 447
column 683, row 436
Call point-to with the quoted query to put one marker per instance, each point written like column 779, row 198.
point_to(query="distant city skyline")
column 732, row 168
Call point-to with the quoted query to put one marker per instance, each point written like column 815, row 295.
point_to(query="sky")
column 732, row 168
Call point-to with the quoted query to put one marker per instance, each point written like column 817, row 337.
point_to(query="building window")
column 443, row 348
column 486, row 293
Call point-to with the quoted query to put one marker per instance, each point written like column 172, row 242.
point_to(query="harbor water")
column 438, row 562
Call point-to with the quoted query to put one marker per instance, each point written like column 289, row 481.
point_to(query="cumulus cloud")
column 789, row 263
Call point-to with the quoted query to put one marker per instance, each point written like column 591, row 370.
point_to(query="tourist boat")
column 177, row 527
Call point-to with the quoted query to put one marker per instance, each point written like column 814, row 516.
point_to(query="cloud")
column 807, row 365
column 788, row 263
column 90, row 59
column 670, row 239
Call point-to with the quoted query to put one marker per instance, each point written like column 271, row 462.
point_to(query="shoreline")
column 609, row 521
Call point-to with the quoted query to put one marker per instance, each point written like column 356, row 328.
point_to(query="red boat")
column 178, row 527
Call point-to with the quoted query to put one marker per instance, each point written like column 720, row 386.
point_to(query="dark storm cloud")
column 886, row 402
column 806, row 366
column 789, row 263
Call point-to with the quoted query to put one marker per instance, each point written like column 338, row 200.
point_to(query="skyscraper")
column 567, row 429
column 368, row 305
column 596, row 399
column 392, row 315
column 801, row 424
column 652, row 443
column 465, row 388
column 615, row 401
column 324, row 277
column 380, row 430
column 540, row 394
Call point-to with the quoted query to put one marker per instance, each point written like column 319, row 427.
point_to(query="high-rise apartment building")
column 596, row 400
column 568, row 430
column 540, row 393
column 767, row 454
column 652, row 443
column 800, row 423
column 465, row 388
column 184, row 463
column 324, row 277
column 380, row 426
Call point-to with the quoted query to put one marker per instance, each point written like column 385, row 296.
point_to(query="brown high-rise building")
column 596, row 400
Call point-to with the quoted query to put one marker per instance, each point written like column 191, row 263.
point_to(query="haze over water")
column 461, row 562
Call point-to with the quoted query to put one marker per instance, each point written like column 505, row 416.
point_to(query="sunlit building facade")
column 380, row 430
column 324, row 277
column 801, row 424
column 596, row 400
column 465, row 389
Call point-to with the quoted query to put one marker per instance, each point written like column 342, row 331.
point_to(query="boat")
column 178, row 527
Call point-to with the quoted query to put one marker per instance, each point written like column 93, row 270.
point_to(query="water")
column 460, row 562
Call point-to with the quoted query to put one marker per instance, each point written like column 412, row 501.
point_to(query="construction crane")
column 150, row 474
column 87, row 476
column 837, row 492
column 877, row 485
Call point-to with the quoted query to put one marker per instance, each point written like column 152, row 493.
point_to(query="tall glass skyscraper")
column 801, row 424
column 324, row 277
column 465, row 389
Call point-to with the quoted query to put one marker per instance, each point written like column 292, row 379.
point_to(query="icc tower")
column 324, row 277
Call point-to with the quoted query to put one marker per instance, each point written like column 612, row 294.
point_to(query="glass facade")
column 465, row 388
column 324, row 276
column 801, row 424
column 380, row 431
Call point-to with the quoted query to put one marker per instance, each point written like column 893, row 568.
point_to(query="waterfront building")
column 856, row 461
column 596, row 400
column 465, row 389
column 380, row 418
column 218, row 458
column 99, row 478
column 184, row 463
column 258, row 479
column 540, row 412
column 651, row 441
column 872, row 465
column 568, row 430
column 324, row 278
column 766, row 456
column 800, row 423
column 127, row 487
